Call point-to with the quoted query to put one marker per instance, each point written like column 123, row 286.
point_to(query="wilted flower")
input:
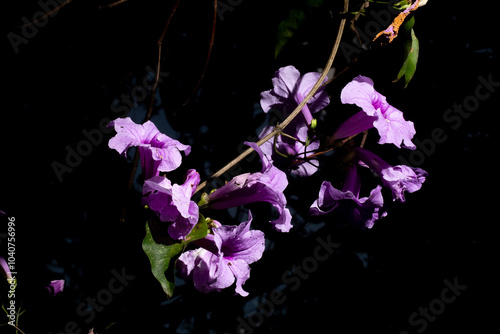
column 173, row 202
column 376, row 112
column 224, row 258
column 159, row 152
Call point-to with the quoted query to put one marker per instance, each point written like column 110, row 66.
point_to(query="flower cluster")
column 226, row 252
column 298, row 143
column 392, row 128
column 222, row 257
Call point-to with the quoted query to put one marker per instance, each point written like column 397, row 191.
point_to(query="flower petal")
column 394, row 129
column 55, row 287
column 159, row 152
column 319, row 100
column 241, row 272
column 284, row 80
column 128, row 134
column 360, row 92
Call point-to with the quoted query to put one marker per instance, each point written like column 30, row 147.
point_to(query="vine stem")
column 210, row 47
column 280, row 127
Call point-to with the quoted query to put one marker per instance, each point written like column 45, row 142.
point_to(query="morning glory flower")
column 55, row 287
column 265, row 186
column 290, row 88
column 223, row 258
column 173, row 202
column 376, row 112
column 399, row 178
column 363, row 211
column 159, row 152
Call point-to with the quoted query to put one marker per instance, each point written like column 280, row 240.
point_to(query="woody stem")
column 297, row 110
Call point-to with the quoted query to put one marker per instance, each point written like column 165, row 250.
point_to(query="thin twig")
column 112, row 4
column 47, row 14
column 135, row 163
column 17, row 328
column 363, row 140
column 279, row 129
column 157, row 77
column 210, row 46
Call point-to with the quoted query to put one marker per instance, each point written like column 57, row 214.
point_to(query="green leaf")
column 199, row 231
column 160, row 256
column 411, row 46
column 163, row 256
column 402, row 5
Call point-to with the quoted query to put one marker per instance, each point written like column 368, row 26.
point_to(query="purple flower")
column 297, row 151
column 359, row 211
column 376, row 112
column 159, row 152
column 55, row 287
column 224, row 259
column 5, row 269
column 265, row 186
column 289, row 89
column 399, row 178
column 173, row 202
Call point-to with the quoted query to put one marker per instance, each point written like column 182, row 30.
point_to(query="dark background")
column 65, row 79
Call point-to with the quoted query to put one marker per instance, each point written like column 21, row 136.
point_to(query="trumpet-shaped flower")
column 223, row 258
column 173, row 202
column 359, row 211
column 376, row 112
column 399, row 178
column 290, row 88
column 159, row 152
column 265, row 186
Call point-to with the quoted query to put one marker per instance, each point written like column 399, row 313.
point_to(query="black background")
column 65, row 79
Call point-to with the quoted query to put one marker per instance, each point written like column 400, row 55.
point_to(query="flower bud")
column 314, row 123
